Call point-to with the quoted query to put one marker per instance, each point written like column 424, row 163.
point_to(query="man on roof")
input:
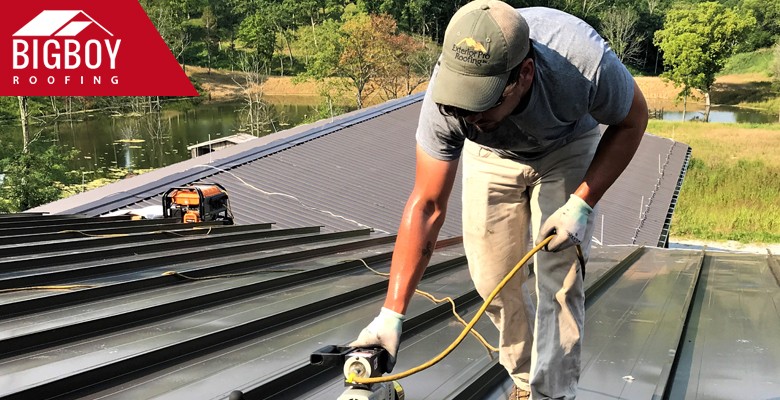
column 518, row 95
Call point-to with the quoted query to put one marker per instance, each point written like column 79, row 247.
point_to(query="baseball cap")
column 484, row 41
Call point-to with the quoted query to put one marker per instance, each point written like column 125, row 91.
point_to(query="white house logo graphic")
column 53, row 43
column 58, row 23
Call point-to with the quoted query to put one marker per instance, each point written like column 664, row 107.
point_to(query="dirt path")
column 224, row 85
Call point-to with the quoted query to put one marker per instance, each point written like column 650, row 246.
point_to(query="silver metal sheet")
column 732, row 346
column 632, row 332
column 262, row 359
column 260, row 342
column 141, row 340
column 154, row 299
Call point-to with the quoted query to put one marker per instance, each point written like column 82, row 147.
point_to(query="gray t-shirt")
column 578, row 83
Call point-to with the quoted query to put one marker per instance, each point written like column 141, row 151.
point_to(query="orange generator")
column 196, row 203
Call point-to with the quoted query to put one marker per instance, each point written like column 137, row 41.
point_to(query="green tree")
column 310, row 11
column 170, row 19
column 417, row 17
column 411, row 63
column 357, row 53
column 24, row 118
column 183, row 8
column 33, row 178
column 322, row 49
column 284, row 17
column 210, row 28
column 696, row 41
column 366, row 51
column 767, row 13
column 257, row 32
column 228, row 19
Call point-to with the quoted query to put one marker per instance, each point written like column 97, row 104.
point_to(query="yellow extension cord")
column 435, row 300
column 50, row 287
column 110, row 235
column 354, row 379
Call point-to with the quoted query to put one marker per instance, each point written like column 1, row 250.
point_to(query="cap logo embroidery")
column 471, row 51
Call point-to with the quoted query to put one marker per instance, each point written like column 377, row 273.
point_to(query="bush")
column 34, row 178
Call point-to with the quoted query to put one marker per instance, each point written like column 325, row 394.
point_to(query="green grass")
column 771, row 105
column 759, row 61
column 735, row 201
column 730, row 191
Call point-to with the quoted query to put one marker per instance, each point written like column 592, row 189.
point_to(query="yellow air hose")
column 469, row 327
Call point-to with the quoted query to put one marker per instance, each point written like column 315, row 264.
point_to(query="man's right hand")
column 385, row 331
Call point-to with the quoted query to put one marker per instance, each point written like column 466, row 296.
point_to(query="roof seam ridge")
column 661, row 173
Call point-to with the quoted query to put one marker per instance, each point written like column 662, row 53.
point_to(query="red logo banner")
column 86, row 48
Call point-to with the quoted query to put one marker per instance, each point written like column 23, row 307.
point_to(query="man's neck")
column 523, row 104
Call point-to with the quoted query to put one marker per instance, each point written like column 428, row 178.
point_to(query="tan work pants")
column 502, row 199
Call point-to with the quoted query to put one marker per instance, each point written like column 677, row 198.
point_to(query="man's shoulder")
column 547, row 24
column 557, row 35
column 545, row 13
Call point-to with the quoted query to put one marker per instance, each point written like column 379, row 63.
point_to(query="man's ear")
column 527, row 71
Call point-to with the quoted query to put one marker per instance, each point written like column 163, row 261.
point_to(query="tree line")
column 388, row 47
column 199, row 30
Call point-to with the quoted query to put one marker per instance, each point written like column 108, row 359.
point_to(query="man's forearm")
column 414, row 246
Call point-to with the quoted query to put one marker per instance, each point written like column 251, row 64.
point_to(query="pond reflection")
column 723, row 114
column 670, row 111
column 160, row 139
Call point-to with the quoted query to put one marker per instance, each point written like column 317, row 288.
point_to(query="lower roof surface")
column 198, row 311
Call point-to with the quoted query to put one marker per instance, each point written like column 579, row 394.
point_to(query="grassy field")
column 759, row 61
column 732, row 188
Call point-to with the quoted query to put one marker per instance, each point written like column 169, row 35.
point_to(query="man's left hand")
column 568, row 223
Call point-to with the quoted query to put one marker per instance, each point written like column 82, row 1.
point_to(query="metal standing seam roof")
column 200, row 310
column 358, row 170
column 159, row 309
column 644, row 196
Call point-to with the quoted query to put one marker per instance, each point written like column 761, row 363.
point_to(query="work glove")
column 385, row 331
column 568, row 223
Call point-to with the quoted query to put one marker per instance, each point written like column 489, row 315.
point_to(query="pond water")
column 726, row 114
column 155, row 140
